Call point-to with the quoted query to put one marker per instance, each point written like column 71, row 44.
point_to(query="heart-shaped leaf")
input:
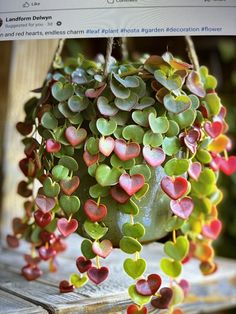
column 118, row 163
column 78, row 281
column 159, row 124
column 94, row 230
column 171, row 145
column 106, row 145
column 177, row 250
column 105, row 107
column 66, row 287
column 77, row 103
column 60, row 172
column 119, row 90
column 49, row 121
column 97, row 190
column 62, row 92
column 184, row 119
column 141, row 169
column 152, row 139
column 213, row 104
column 83, row 264
column 163, row 301
column 106, row 127
column 194, row 84
column 69, row 186
column 133, row 132
column 136, row 230
column 138, row 298
column 170, row 267
column 70, row 204
column 67, row 227
column 144, row 102
column 150, row 286
column 44, row 203
column 174, row 223
column 127, row 104
column 129, row 208
column 102, row 249
column 205, row 184
column 135, row 309
column 86, row 249
column 141, row 116
column 69, row 162
column 126, row 151
column 94, row 211
column 213, row 129
column 172, row 82
column 174, row 188
column 182, row 208
column 75, row 136
column 194, row 170
column 135, row 268
column 153, row 156
column 212, row 230
column 177, row 104
column 98, row 275
column 50, row 188
column 52, row 146
column 107, row 176
column 130, row 245
column 176, row 167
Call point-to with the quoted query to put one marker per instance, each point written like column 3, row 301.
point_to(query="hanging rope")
column 192, row 53
column 124, row 50
column 110, row 41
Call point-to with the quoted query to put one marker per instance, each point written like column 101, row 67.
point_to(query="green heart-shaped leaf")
column 106, row 108
column 159, row 124
column 50, row 188
column 176, row 167
column 78, row 280
column 107, row 176
column 205, row 184
column 64, row 110
column 86, row 249
column 119, row 90
column 178, row 295
column 178, row 104
column 92, row 145
column 152, row 139
column 117, row 163
column 141, row 116
column 60, row 172
column 97, row 190
column 213, row 104
column 129, row 208
column 49, row 121
column 173, row 129
column 136, row 230
column 174, row 223
column 203, row 156
column 170, row 267
column 76, row 119
column 145, row 102
column 128, row 82
column 184, row 119
column 127, row 104
column 94, row 230
column 138, row 298
column 134, row 268
column 69, row 162
column 70, row 204
column 106, row 127
column 34, row 237
column 133, row 132
column 130, row 245
column 177, row 250
column 62, row 92
column 77, row 103
column 171, row 82
column 171, row 145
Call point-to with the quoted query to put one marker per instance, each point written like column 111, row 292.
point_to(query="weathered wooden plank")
column 207, row 293
column 11, row 304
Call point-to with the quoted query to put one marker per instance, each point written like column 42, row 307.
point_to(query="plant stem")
column 98, row 262
column 174, row 236
column 192, row 53
column 108, row 55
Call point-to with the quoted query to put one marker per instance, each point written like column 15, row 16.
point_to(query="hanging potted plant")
column 124, row 153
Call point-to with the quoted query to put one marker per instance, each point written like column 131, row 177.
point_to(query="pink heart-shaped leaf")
column 45, row 203
column 126, row 151
column 182, row 208
column 163, row 301
column 66, row 287
column 194, row 170
column 102, row 249
column 150, row 286
column 69, row 186
column 52, row 146
column 83, row 264
column 75, row 136
column 135, row 309
column 93, row 211
column 95, row 93
column 153, row 156
column 42, row 219
column 228, row 166
column 66, row 227
column 212, row 230
column 106, row 145
column 213, row 129
column 191, row 139
column 174, row 188
column 31, row 272
column 131, row 184
column 98, row 275
column 46, row 253
column 119, row 195
column 184, row 284
column 90, row 159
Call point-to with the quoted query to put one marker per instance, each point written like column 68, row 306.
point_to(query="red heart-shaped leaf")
column 150, row 286
column 163, row 301
column 135, row 309
column 31, row 272
column 208, row 267
column 153, row 156
column 182, row 208
column 174, row 188
column 12, row 241
column 45, row 203
column 93, row 211
column 212, row 230
column 106, row 145
column 69, row 186
column 131, row 184
column 194, row 170
column 75, row 136
column 23, row 190
column 102, row 249
column 52, row 146
column 66, row 227
column 65, row 286
column 213, row 129
column 119, row 195
column 32, row 260
column 28, row 167
column 228, row 166
column 126, row 151
column 90, row 159
column 42, row 219
column 83, row 264
column 46, row 236
column 46, row 253
column 18, row 226
column 24, row 128
column 98, row 275
column 59, row 245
